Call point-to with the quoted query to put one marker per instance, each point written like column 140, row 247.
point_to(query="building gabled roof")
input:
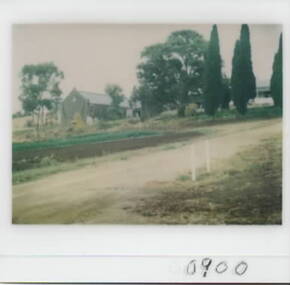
column 95, row 98
column 101, row 99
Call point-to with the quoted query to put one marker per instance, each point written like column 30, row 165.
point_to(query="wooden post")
column 207, row 153
column 193, row 166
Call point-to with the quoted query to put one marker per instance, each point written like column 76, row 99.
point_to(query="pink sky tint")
column 94, row 55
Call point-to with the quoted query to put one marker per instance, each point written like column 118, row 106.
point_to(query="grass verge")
column 163, row 122
column 90, row 138
column 248, row 192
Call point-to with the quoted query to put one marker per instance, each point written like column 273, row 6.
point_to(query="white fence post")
column 207, row 153
column 193, row 166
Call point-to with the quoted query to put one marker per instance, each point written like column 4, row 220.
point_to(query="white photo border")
column 166, row 241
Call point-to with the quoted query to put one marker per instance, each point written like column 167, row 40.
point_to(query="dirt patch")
column 250, row 193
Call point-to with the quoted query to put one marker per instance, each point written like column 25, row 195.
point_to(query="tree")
column 246, row 65
column 243, row 80
column 115, row 111
column 157, row 77
column 226, row 95
column 240, row 101
column 277, row 76
column 172, row 71
column 40, row 89
column 149, row 106
column 213, row 86
column 188, row 48
column 116, row 94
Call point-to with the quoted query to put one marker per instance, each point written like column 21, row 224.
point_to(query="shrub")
column 191, row 110
column 48, row 161
column 167, row 115
column 134, row 121
column 29, row 123
column 78, row 123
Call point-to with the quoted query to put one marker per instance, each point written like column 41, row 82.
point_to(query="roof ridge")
column 94, row 93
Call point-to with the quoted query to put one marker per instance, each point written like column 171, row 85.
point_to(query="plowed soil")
column 30, row 158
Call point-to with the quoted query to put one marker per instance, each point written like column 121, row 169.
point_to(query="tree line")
column 186, row 69
column 41, row 92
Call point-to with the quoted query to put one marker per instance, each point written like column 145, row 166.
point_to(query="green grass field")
column 81, row 139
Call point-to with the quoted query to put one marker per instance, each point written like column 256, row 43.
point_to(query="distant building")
column 88, row 106
column 263, row 94
column 264, row 91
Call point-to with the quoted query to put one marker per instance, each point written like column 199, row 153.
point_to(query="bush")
column 78, row 122
column 191, row 110
column 29, row 123
column 48, row 161
column 181, row 111
column 134, row 121
column 167, row 115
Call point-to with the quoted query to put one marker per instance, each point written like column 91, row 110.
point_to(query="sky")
column 94, row 55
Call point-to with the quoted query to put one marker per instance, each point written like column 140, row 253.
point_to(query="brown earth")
column 103, row 193
column 30, row 158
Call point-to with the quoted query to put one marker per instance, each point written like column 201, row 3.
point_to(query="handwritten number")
column 206, row 262
column 241, row 268
column 191, row 267
column 221, row 267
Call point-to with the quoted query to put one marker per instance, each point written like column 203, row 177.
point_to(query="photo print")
column 147, row 124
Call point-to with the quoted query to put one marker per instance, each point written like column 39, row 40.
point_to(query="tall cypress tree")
column 246, row 63
column 213, row 88
column 239, row 99
column 226, row 99
column 244, row 80
column 277, row 76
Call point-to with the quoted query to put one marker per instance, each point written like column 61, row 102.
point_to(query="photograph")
column 147, row 124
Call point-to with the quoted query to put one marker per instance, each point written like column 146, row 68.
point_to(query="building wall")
column 73, row 105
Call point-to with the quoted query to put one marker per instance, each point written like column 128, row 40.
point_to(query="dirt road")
column 103, row 193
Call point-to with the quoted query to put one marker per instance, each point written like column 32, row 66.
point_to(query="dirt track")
column 102, row 193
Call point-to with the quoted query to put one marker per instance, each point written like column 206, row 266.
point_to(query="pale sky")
column 94, row 55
